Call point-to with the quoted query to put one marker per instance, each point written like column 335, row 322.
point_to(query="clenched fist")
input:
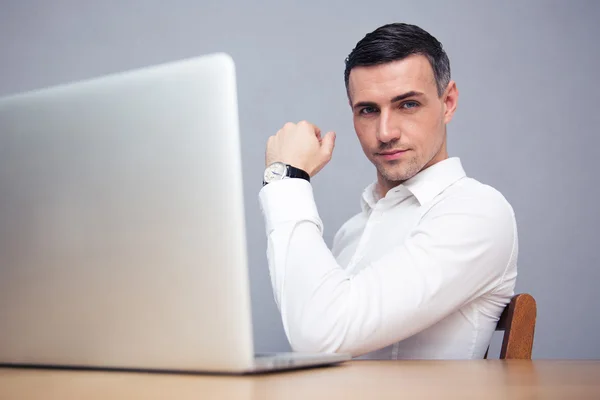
column 301, row 145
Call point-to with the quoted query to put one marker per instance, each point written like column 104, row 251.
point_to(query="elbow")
column 324, row 324
column 312, row 331
column 320, row 338
column 312, row 340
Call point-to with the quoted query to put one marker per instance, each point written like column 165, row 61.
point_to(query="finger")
column 317, row 131
column 328, row 144
column 312, row 126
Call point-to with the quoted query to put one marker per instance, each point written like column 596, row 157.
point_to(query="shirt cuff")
column 288, row 200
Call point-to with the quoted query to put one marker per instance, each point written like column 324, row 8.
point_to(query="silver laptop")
column 122, row 237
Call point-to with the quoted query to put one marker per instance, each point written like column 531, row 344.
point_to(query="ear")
column 450, row 99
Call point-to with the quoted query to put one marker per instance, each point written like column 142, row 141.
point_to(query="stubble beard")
column 398, row 171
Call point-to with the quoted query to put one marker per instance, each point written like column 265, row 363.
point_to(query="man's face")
column 399, row 118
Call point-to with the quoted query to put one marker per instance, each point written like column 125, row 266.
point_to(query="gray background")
column 527, row 121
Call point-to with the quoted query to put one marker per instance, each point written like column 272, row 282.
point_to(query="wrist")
column 280, row 170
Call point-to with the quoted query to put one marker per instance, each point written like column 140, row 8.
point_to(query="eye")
column 367, row 110
column 409, row 105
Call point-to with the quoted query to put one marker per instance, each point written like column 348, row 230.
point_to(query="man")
column 428, row 265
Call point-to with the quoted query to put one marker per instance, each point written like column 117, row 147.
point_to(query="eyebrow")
column 400, row 97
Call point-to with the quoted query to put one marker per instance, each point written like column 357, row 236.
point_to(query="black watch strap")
column 294, row 172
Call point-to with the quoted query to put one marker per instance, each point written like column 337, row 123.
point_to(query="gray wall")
column 527, row 121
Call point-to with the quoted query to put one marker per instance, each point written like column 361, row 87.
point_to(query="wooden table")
column 485, row 379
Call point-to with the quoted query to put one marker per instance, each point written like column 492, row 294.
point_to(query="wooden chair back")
column 518, row 323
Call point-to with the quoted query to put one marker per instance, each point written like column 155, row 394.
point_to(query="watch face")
column 275, row 172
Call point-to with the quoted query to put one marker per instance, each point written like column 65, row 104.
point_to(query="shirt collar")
column 424, row 186
column 370, row 197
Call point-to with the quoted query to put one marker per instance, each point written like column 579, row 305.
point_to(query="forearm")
column 322, row 308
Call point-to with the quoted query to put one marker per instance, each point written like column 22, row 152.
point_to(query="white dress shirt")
column 424, row 272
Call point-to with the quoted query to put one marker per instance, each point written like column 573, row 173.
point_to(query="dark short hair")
column 394, row 42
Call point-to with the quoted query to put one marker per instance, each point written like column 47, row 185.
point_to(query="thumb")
column 328, row 143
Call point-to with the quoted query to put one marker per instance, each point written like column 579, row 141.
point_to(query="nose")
column 388, row 131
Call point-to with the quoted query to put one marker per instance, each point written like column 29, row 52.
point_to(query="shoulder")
column 473, row 215
column 472, row 197
column 475, row 224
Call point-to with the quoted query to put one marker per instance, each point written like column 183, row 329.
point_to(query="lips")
column 392, row 154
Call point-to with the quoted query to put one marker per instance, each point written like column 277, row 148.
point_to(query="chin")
column 397, row 177
column 399, row 174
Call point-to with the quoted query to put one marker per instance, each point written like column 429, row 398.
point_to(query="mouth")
column 391, row 154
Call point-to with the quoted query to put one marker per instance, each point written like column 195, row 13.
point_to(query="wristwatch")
column 279, row 170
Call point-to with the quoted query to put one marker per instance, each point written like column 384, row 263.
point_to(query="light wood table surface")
column 482, row 379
